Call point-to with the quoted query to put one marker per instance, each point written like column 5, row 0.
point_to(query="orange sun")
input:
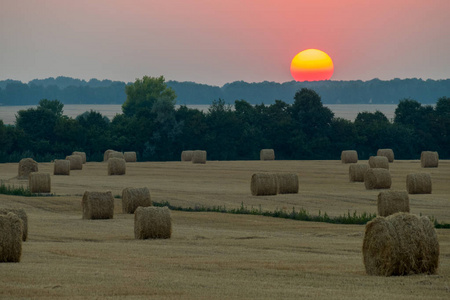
column 312, row 65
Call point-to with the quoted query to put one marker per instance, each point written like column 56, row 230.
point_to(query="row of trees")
column 152, row 126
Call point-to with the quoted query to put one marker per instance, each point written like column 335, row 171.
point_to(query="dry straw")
column 10, row 238
column 22, row 215
column 377, row 178
column 356, row 172
column 82, row 154
column 389, row 153
column 97, row 205
column 287, row 183
column 76, row 162
column 26, row 166
column 418, row 183
column 106, row 154
column 186, row 155
column 132, row 198
column 349, row 157
column 115, row 154
column 130, row 156
column 429, row 159
column 39, row 182
column 379, row 162
column 264, row 184
column 61, row 167
column 391, row 202
column 199, row 157
column 400, row 244
column 152, row 223
column 116, row 166
column 267, row 154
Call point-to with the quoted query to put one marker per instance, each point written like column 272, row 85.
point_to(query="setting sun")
column 312, row 65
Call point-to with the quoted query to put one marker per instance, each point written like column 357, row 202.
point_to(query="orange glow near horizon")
column 312, row 65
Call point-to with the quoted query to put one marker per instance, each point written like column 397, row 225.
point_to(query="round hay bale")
column 356, row 172
column 11, row 235
column 199, row 157
column 82, row 154
column 26, row 166
column 187, row 155
column 152, row 223
column 287, row 183
column 39, row 182
column 267, row 154
column 115, row 154
column 97, row 205
column 389, row 153
column 76, row 162
column 379, row 162
column 116, row 166
column 349, row 157
column 61, row 167
column 429, row 159
column 418, row 183
column 264, row 184
column 106, row 154
column 391, row 202
column 130, row 156
column 132, row 198
column 377, row 178
column 400, row 244
column 22, row 215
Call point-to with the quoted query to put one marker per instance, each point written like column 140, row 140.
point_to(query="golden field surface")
column 214, row 255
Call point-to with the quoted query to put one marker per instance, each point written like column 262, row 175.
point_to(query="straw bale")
column 116, row 154
column 116, row 166
column 76, row 162
column 82, row 154
column 429, row 159
column 130, row 156
column 377, row 178
column 132, row 198
column 349, row 157
column 97, row 205
column 287, row 183
column 26, row 166
column 22, row 215
column 418, row 183
column 267, row 154
column 400, row 244
column 391, row 202
column 11, row 235
column 356, row 172
column 199, row 157
column 61, row 167
column 152, row 223
column 39, row 182
column 187, row 155
column 106, row 154
column 264, row 184
column 379, row 162
column 389, row 153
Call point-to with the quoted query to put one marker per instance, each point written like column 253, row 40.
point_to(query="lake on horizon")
column 345, row 111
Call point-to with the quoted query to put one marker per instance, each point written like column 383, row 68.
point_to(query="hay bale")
column 267, row 154
column 400, row 244
column 349, row 157
column 115, row 154
column 132, row 198
column 356, row 172
column 377, row 178
column 39, row 182
column 97, row 205
column 22, row 215
column 418, row 183
column 199, row 157
column 379, row 162
column 391, row 202
column 130, row 156
column 116, row 166
column 429, row 159
column 76, row 162
column 106, row 154
column 82, row 154
column 389, row 153
column 152, row 223
column 10, row 238
column 61, row 167
column 287, row 183
column 187, row 155
column 26, row 166
column 264, row 184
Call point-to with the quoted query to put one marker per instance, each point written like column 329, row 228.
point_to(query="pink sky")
column 216, row 42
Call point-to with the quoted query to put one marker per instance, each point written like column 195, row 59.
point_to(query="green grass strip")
column 16, row 191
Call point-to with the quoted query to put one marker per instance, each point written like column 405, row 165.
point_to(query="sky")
column 216, row 42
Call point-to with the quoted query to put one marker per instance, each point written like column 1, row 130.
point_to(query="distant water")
column 345, row 111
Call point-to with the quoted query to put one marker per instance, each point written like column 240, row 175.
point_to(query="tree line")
column 152, row 126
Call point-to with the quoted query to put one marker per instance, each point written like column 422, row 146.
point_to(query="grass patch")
column 13, row 190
